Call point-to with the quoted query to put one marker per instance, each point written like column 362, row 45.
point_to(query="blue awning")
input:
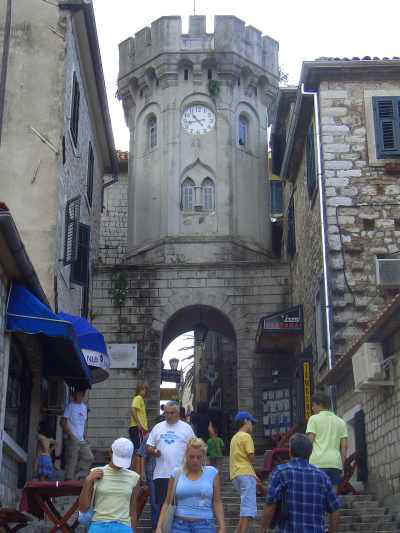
column 62, row 354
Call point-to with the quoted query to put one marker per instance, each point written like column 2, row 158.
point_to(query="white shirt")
column 170, row 440
column 76, row 414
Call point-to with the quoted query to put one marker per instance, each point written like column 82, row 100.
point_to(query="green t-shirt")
column 328, row 429
column 215, row 447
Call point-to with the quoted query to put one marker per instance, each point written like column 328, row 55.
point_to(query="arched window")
column 243, row 131
column 152, row 131
column 207, row 191
column 188, row 194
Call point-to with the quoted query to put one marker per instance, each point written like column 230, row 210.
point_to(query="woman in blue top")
column 197, row 494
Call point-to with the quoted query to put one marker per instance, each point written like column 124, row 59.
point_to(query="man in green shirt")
column 328, row 434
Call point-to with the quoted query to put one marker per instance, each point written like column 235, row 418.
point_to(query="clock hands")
column 198, row 120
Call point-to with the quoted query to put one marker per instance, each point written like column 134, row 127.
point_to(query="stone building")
column 198, row 233
column 336, row 146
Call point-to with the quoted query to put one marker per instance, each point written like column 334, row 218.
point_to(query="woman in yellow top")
column 138, row 426
column 115, row 493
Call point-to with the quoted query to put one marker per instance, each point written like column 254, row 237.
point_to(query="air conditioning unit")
column 388, row 272
column 368, row 367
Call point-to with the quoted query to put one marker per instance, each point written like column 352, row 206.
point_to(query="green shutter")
column 387, row 125
column 80, row 268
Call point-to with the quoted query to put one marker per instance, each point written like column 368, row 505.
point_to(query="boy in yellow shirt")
column 241, row 471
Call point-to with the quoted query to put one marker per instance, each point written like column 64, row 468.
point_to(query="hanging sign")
column 289, row 321
column 307, row 390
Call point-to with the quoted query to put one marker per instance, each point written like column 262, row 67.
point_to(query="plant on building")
column 213, row 88
column 119, row 288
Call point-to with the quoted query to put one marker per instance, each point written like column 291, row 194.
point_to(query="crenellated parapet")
column 158, row 56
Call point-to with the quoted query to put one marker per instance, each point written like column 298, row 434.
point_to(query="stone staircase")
column 358, row 514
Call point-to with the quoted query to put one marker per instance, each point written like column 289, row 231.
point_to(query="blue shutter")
column 387, row 126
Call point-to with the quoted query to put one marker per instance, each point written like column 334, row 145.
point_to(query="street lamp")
column 173, row 363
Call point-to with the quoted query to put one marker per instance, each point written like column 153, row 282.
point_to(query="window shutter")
column 361, row 446
column 310, row 161
column 74, row 123
column 276, row 197
column 278, row 151
column 387, row 125
column 80, row 268
column 72, row 214
column 291, row 240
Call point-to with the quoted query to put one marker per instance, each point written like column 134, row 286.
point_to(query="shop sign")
column 307, row 390
column 289, row 321
column 171, row 376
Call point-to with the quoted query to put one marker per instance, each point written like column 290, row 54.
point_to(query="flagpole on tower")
column 194, row 7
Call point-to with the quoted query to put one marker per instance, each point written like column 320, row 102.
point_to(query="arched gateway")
column 197, row 234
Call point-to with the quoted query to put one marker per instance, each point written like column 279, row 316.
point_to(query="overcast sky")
column 305, row 30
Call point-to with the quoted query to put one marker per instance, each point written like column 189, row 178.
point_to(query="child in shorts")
column 46, row 445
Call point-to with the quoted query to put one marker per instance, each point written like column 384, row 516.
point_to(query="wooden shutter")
column 387, row 125
column 361, row 446
column 89, row 180
column 278, row 142
column 74, row 122
column 80, row 268
column 72, row 214
column 291, row 240
column 310, row 161
column 276, row 197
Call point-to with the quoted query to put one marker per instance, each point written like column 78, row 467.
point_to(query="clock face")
column 198, row 119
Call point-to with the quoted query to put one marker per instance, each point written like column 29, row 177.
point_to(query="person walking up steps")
column 241, row 471
column 215, row 447
column 328, row 434
column 197, row 492
column 167, row 442
column 138, row 426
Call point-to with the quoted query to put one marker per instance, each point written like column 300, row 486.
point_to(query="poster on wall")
column 123, row 355
column 277, row 412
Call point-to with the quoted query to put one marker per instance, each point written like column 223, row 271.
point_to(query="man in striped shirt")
column 303, row 492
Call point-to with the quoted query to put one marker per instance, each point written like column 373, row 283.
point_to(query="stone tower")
column 198, row 253
column 197, row 106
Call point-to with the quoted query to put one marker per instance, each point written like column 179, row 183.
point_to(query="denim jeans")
column 155, row 508
column 110, row 527
column 180, row 525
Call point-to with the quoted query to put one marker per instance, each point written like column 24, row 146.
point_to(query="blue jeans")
column 110, row 527
column 155, row 508
column 181, row 525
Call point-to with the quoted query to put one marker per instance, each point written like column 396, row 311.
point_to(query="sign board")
column 289, row 321
column 307, row 390
column 100, row 360
column 171, row 376
column 123, row 355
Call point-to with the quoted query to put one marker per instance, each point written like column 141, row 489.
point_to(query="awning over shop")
column 280, row 331
column 62, row 354
column 92, row 344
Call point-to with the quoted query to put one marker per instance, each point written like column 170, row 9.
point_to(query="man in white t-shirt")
column 78, row 455
column 167, row 442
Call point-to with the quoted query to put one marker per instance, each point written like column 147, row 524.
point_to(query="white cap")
column 122, row 452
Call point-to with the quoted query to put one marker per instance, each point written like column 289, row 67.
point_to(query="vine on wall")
column 119, row 288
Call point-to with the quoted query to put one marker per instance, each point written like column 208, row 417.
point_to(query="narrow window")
column 387, row 125
column 209, row 74
column 311, row 168
column 207, row 189
column 276, row 197
column 187, row 195
column 64, row 159
column 243, row 131
column 238, row 82
column 74, row 120
column 291, row 236
column 152, row 131
column 80, row 267
column 89, row 179
column 72, row 215
column 186, row 74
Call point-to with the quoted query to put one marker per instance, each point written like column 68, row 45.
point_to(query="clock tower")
column 197, row 106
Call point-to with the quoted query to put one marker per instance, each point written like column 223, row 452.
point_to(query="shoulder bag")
column 170, row 510
column 85, row 518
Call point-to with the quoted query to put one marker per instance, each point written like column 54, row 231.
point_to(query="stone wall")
column 242, row 293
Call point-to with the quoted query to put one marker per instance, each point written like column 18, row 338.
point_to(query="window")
column 74, row 120
column 152, row 131
column 18, row 399
column 64, row 158
column 80, row 267
column 311, row 169
column 291, row 237
column 89, row 179
column 186, row 74
column 243, row 131
column 387, row 125
column 276, row 197
column 207, row 190
column 72, row 215
column 209, row 74
column 187, row 194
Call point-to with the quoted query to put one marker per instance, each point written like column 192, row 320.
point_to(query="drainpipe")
column 324, row 234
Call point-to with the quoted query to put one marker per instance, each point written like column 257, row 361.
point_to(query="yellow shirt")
column 241, row 446
column 139, row 404
column 328, row 429
column 113, row 495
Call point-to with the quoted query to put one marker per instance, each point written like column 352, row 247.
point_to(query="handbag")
column 85, row 518
column 170, row 510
